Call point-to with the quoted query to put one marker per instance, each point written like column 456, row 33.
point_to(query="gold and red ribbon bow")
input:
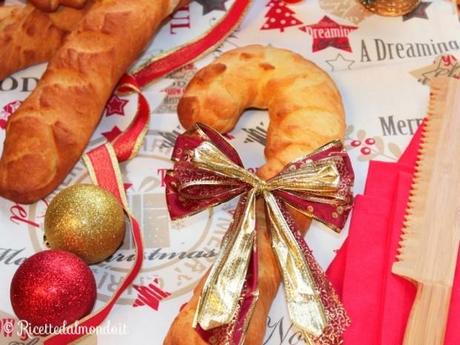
column 207, row 172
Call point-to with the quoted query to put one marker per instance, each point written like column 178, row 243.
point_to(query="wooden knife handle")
column 428, row 317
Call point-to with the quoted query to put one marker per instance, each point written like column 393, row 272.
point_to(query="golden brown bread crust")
column 24, row 46
column 305, row 111
column 52, row 5
column 29, row 36
column 6, row 11
column 47, row 134
column 304, row 105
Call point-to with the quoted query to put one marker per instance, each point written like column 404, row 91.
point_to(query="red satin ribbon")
column 103, row 161
column 193, row 50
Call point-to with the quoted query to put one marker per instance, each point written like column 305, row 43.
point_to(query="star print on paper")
column 446, row 65
column 212, row 5
column 419, row 12
column 279, row 16
column 115, row 106
column 340, row 63
column 327, row 33
column 150, row 295
column 112, row 134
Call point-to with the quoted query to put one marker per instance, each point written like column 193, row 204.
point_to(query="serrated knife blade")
column 431, row 233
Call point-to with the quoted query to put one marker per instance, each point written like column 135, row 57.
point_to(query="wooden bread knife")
column 431, row 233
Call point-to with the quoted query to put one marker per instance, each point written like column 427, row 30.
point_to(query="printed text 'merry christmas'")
column 391, row 126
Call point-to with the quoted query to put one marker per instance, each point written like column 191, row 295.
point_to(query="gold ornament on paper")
column 350, row 10
column 86, row 220
column 392, row 8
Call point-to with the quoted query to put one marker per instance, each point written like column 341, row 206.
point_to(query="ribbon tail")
column 303, row 297
column 129, row 142
column 222, row 290
column 104, row 170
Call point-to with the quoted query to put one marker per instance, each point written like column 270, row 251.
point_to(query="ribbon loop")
column 208, row 172
column 312, row 179
column 207, row 156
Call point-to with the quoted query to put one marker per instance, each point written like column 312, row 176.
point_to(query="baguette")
column 306, row 112
column 47, row 135
column 29, row 36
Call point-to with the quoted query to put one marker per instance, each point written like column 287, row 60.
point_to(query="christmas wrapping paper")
column 382, row 67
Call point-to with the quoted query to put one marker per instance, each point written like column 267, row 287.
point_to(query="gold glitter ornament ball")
column 86, row 220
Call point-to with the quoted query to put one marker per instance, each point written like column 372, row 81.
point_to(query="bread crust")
column 47, row 135
column 52, row 5
column 29, row 36
column 303, row 103
column 305, row 110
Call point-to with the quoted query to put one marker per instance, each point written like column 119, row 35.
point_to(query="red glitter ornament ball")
column 51, row 287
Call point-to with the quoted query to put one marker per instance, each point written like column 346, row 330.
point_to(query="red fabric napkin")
column 362, row 283
column 452, row 331
column 378, row 301
column 399, row 293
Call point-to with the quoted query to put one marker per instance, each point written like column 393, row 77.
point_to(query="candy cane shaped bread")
column 305, row 111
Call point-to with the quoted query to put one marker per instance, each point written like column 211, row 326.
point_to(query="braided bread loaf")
column 305, row 112
column 47, row 134
column 29, row 36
